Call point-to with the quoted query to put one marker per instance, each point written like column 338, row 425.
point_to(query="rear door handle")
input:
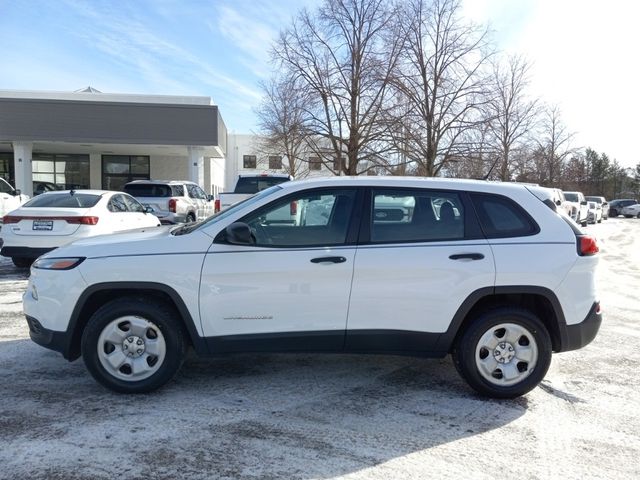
column 468, row 256
column 329, row 260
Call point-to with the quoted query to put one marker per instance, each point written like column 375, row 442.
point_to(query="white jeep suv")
column 487, row 272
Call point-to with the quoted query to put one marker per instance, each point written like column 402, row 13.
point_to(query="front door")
column 289, row 291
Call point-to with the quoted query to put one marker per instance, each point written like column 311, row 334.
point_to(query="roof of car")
column 400, row 182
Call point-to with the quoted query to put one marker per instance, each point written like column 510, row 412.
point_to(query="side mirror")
column 239, row 233
column 148, row 210
column 209, row 198
column 583, row 203
column 17, row 192
column 558, row 202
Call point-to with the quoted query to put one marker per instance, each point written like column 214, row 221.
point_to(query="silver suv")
column 172, row 201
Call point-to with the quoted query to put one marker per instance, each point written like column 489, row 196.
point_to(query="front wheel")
column 504, row 353
column 133, row 345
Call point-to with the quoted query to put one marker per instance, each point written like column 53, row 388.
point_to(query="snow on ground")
column 330, row 416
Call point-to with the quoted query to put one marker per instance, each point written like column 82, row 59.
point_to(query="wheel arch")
column 97, row 295
column 539, row 300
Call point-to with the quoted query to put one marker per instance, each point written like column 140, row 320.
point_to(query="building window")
column 275, row 162
column 249, row 161
column 117, row 170
column 59, row 172
column 315, row 163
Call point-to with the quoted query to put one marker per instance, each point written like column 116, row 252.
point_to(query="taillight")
column 81, row 220
column 172, row 205
column 587, row 245
column 10, row 219
column 216, row 206
column 293, row 208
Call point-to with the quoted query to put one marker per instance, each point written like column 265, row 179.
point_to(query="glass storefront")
column 59, row 172
column 117, row 170
column 6, row 167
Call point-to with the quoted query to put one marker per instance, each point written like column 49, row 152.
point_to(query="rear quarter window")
column 501, row 217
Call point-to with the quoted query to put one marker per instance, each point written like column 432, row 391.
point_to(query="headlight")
column 66, row 263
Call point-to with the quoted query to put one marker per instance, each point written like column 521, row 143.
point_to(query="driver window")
column 310, row 219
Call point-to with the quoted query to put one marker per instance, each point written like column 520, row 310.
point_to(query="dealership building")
column 89, row 139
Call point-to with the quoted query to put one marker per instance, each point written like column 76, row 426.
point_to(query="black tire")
column 191, row 217
column 162, row 316
column 584, row 224
column 22, row 262
column 600, row 221
column 628, row 216
column 467, row 344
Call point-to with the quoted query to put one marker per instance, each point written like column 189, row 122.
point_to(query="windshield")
column 572, row 197
column 148, row 190
column 64, row 200
column 225, row 213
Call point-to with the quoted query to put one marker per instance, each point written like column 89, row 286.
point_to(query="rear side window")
column 416, row 216
column 501, row 217
column 148, row 190
column 63, row 200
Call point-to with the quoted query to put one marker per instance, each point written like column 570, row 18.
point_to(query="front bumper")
column 583, row 333
column 57, row 341
column 24, row 252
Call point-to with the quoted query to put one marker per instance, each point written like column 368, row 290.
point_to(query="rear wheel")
column 22, row 262
column 504, row 353
column 191, row 217
column 133, row 345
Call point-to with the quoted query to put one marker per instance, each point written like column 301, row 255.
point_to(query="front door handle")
column 328, row 260
column 467, row 256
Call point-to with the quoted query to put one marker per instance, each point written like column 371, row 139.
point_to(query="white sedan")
column 53, row 219
column 631, row 211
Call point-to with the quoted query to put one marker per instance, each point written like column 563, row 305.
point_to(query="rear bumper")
column 57, row 341
column 24, row 252
column 583, row 333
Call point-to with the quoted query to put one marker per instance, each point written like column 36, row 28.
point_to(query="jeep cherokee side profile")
column 486, row 272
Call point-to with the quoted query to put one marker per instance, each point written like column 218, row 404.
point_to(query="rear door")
column 422, row 255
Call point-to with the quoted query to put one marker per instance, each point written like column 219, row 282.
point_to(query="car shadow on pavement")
column 256, row 416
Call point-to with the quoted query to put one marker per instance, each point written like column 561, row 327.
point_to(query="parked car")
column 595, row 212
column 616, row 206
column 500, row 286
column 557, row 196
column 10, row 198
column 53, row 219
column 603, row 203
column 172, row 201
column 248, row 185
column 579, row 210
column 631, row 210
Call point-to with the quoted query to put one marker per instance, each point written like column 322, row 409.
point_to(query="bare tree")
column 512, row 113
column 281, row 121
column 342, row 55
column 441, row 81
column 555, row 143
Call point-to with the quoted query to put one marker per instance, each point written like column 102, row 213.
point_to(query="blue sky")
column 584, row 53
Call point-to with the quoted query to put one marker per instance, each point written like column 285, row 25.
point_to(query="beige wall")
column 169, row 168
